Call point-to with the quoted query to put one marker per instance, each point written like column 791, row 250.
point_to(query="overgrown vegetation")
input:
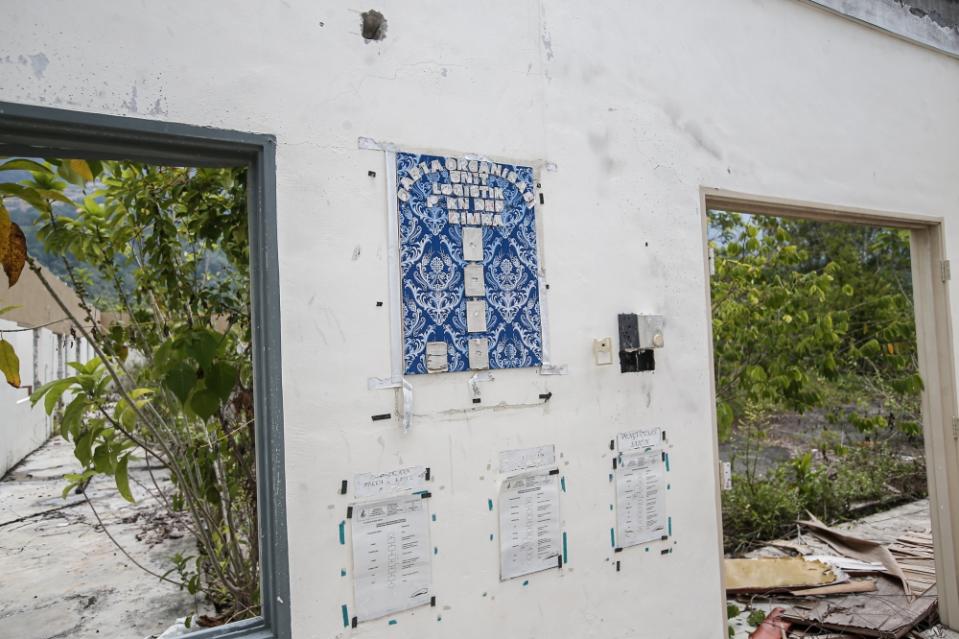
column 814, row 317
column 172, row 380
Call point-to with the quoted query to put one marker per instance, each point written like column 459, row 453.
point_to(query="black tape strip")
column 555, row 471
column 612, row 444
column 379, row 303
column 371, row 173
column 617, row 550
column 664, row 455
column 664, row 538
column 354, row 622
column 427, row 473
column 664, row 435
column 617, row 566
column 349, row 512
column 546, row 396
column 433, row 601
column 476, row 400
column 664, row 552
column 343, row 487
column 614, row 463
column 425, row 494
column 559, row 561
column 377, row 418
column 541, row 200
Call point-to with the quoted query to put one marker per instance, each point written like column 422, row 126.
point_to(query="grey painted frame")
column 41, row 131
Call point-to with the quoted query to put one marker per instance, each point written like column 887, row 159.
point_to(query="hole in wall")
column 374, row 25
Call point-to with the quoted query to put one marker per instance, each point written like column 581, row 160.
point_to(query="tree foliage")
column 172, row 380
column 807, row 314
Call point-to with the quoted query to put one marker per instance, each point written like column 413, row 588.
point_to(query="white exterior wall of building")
column 24, row 428
column 639, row 105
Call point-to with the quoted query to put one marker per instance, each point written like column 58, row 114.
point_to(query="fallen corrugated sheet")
column 776, row 574
column 887, row 613
column 858, row 548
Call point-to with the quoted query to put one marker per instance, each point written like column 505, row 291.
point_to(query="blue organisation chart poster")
column 469, row 264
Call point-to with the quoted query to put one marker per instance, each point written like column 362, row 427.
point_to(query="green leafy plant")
column 172, row 379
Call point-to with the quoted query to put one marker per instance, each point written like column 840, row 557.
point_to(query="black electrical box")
column 632, row 359
column 628, row 332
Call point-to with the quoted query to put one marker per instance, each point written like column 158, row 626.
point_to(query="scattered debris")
column 772, row 626
column 884, row 583
column 888, row 612
column 776, row 574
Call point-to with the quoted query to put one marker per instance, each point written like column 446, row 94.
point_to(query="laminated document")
column 392, row 569
column 640, row 480
column 529, row 525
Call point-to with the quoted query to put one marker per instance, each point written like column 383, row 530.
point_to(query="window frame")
column 47, row 132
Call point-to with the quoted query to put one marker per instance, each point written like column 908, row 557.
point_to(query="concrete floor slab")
column 62, row 576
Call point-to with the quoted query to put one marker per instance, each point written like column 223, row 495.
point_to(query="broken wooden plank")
column 768, row 574
column 866, row 585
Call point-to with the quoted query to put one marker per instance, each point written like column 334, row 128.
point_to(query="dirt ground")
column 62, row 576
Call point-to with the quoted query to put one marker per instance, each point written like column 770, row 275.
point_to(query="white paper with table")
column 392, row 556
column 529, row 524
column 640, row 479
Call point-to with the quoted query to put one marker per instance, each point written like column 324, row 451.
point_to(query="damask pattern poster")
column 457, row 216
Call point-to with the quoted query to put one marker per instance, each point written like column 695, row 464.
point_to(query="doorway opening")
column 829, row 329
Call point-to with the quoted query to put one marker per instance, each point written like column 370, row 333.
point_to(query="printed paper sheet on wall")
column 529, row 525
column 640, row 482
column 469, row 264
column 391, row 556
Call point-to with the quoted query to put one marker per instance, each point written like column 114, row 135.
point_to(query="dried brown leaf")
column 16, row 254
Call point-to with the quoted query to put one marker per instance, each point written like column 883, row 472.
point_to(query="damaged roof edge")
column 930, row 23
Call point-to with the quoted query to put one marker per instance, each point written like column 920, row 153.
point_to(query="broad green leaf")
column 21, row 164
column 204, row 346
column 9, row 363
column 83, row 447
column 180, row 380
column 71, row 419
column 123, row 480
column 54, row 391
column 7, row 309
column 204, row 403
column 220, row 379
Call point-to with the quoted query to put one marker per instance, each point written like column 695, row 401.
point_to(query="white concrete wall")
column 23, row 428
column 639, row 104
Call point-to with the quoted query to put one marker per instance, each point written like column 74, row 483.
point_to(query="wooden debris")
column 887, row 613
column 770, row 574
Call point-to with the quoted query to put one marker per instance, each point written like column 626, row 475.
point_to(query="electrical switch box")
column 475, row 281
column 479, row 353
column 638, row 336
column 603, row 351
column 437, row 357
column 650, row 331
column 473, row 243
column 476, row 316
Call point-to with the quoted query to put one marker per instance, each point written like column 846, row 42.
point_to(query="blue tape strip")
column 565, row 549
column 392, row 622
column 669, row 525
column 562, row 483
column 346, row 616
column 612, row 537
column 667, row 462
column 343, row 533
column 489, row 503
